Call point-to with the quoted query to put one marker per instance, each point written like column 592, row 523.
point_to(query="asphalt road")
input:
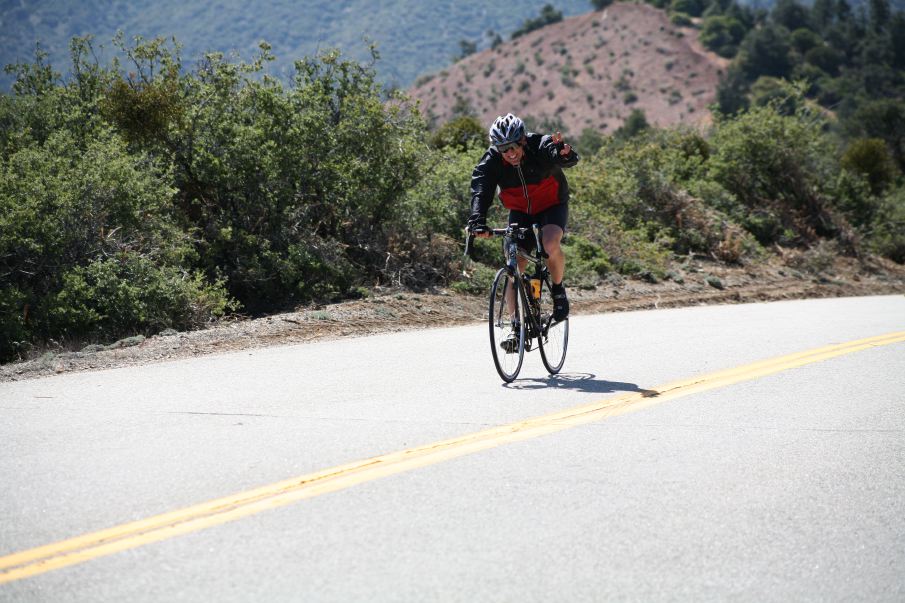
column 776, row 487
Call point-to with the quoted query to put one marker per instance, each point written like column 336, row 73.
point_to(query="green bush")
column 681, row 20
column 587, row 262
column 293, row 188
column 440, row 202
column 131, row 293
column 692, row 8
column 15, row 335
column 887, row 236
column 460, row 132
column 871, row 158
column 777, row 93
column 589, row 141
column 722, row 34
column 66, row 205
column 548, row 15
column 781, row 169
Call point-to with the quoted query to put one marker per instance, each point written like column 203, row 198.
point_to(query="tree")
column 731, row 97
column 722, row 35
column 883, row 119
column 494, row 38
column 843, row 11
column 790, row 14
column 589, row 141
column 779, row 94
column 766, row 51
column 548, row 16
column 826, row 58
column 634, row 124
column 879, row 14
column 822, row 14
column 804, row 39
column 466, row 48
column 897, row 35
column 871, row 158
column 692, row 8
column 459, row 133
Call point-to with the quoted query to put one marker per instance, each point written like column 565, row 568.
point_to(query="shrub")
column 588, row 262
column 460, row 132
column 130, row 293
column 888, row 233
column 548, row 16
column 15, row 335
column 722, row 34
column 681, row 20
column 828, row 59
column 871, row 158
column 692, row 8
column 780, row 169
column 70, row 204
column 426, row 241
column 294, row 187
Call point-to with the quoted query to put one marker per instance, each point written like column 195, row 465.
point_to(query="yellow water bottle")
column 535, row 288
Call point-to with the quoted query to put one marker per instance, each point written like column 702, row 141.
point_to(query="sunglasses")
column 503, row 148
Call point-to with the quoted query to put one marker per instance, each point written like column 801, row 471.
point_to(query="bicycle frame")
column 516, row 317
column 512, row 252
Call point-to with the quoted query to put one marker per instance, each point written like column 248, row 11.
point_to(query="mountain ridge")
column 588, row 71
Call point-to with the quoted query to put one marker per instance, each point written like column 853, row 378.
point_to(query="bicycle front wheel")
column 554, row 338
column 507, row 325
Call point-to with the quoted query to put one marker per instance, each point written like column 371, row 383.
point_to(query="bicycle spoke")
column 507, row 327
column 554, row 340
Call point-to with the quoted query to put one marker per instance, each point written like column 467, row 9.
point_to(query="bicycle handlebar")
column 471, row 233
column 519, row 233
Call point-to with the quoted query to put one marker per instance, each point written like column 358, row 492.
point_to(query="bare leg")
column 510, row 293
column 556, row 261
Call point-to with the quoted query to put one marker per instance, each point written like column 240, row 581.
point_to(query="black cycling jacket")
column 534, row 185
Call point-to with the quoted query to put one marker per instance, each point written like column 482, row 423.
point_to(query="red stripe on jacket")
column 543, row 195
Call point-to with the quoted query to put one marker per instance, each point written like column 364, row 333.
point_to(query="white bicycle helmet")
column 506, row 129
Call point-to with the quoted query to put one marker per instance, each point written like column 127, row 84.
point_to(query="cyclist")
column 527, row 169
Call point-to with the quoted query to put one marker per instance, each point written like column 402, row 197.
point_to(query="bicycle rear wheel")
column 507, row 325
column 554, row 338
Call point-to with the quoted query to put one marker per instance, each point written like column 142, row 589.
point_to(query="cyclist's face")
column 513, row 155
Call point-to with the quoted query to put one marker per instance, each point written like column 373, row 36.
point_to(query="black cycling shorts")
column 558, row 215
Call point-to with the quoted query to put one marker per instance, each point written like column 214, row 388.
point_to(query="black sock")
column 558, row 288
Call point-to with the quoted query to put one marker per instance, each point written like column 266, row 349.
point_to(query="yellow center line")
column 42, row 559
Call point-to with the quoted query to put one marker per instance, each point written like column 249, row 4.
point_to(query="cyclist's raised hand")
column 558, row 140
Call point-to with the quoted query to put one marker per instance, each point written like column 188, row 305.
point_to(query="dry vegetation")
column 588, row 71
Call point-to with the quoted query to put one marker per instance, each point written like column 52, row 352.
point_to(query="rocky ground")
column 694, row 282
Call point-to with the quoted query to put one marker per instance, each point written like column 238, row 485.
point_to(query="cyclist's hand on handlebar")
column 477, row 228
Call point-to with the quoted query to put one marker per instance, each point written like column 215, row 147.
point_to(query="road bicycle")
column 520, row 313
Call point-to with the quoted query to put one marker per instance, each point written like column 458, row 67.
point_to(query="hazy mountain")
column 413, row 36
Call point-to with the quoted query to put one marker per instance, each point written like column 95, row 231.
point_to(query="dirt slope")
column 588, row 71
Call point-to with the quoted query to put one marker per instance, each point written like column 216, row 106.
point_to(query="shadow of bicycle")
column 581, row 382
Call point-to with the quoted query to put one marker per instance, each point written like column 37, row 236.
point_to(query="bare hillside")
column 588, row 71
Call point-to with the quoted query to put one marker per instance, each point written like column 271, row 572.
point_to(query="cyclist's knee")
column 552, row 235
column 553, row 246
